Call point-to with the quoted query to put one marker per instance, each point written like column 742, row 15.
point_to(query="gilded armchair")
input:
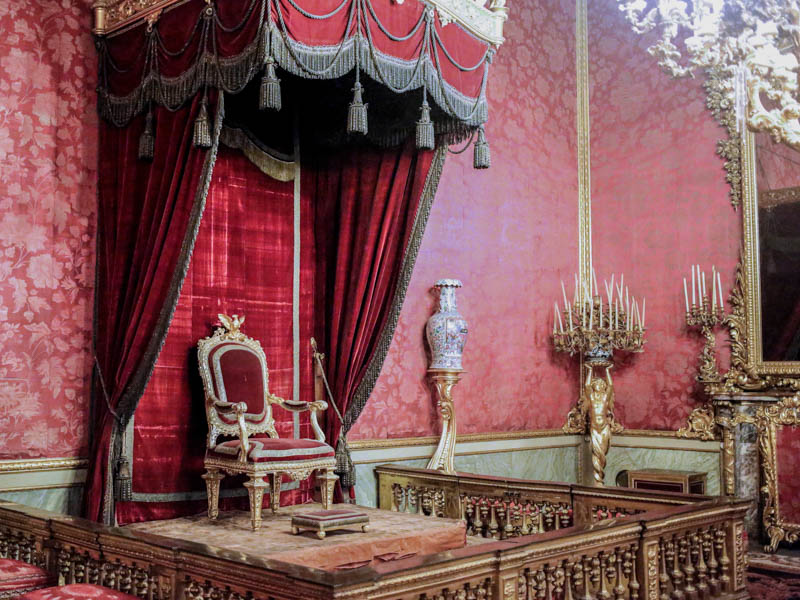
column 238, row 404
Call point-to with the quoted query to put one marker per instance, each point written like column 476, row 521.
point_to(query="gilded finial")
column 232, row 323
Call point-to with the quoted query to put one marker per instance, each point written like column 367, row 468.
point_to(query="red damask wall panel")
column 659, row 204
column 48, row 140
column 509, row 233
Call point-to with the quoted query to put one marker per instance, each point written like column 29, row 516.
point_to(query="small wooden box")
column 664, row 480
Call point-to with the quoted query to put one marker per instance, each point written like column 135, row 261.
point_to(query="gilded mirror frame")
column 749, row 371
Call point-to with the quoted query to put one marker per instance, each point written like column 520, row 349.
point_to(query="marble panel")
column 62, row 500
column 546, row 464
column 620, row 458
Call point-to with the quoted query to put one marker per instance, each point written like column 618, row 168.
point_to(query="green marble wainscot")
column 65, row 500
column 620, row 458
column 546, row 464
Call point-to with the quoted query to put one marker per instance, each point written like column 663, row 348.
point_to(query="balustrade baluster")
column 663, row 577
column 720, row 541
column 588, row 577
column 63, row 566
column 633, row 582
column 713, row 565
column 619, row 589
column 688, row 567
column 673, row 549
column 492, row 520
column 702, row 568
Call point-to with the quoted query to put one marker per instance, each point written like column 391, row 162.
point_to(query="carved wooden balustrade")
column 681, row 547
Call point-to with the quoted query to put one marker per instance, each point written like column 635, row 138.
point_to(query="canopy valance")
column 176, row 50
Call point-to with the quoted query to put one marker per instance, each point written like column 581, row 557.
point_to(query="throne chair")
column 238, row 404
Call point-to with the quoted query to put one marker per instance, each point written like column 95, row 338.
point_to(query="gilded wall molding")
column 431, row 440
column 32, row 465
column 584, row 144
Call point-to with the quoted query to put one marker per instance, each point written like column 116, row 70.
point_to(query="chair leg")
column 255, row 489
column 327, row 481
column 275, row 492
column 213, row 478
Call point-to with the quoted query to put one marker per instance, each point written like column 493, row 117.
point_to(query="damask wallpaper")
column 48, row 138
column 509, row 233
column 659, row 204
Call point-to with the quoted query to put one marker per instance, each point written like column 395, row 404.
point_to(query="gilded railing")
column 690, row 551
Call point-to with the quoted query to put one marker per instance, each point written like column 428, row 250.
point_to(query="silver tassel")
column 147, row 141
column 481, row 159
column 344, row 464
column 124, row 491
column 202, row 128
column 425, row 139
column 357, row 115
column 270, row 96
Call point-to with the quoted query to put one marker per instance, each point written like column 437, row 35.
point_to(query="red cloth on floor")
column 77, row 591
column 19, row 575
column 274, row 449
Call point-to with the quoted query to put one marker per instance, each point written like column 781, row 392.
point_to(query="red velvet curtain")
column 147, row 217
column 242, row 263
column 365, row 203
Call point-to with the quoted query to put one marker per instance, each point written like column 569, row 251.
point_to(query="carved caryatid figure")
column 598, row 399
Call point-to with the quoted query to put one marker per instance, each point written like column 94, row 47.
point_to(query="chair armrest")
column 238, row 408
column 298, row 407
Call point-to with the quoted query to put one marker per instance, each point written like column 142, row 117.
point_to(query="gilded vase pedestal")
column 443, row 381
column 446, row 332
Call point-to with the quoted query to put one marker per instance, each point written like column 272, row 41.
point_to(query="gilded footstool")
column 323, row 521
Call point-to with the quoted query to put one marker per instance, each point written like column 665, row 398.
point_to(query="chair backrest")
column 234, row 369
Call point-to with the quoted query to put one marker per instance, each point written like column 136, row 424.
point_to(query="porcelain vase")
column 446, row 329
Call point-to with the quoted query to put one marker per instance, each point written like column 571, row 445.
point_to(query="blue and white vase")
column 446, row 329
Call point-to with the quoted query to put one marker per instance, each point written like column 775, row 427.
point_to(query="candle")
column 616, row 315
column 644, row 306
column 569, row 316
column 575, row 297
column 694, row 300
column 591, row 317
column 560, row 323
column 554, row 324
column 704, row 285
column 564, row 293
column 719, row 287
column 600, row 316
column 713, row 290
column 596, row 287
column 686, row 294
column 621, row 286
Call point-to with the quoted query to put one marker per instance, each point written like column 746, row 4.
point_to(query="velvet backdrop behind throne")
column 329, row 253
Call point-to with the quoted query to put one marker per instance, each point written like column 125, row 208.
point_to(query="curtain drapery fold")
column 370, row 209
column 148, row 215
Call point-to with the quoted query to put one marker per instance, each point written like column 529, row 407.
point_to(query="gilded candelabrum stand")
column 593, row 331
column 446, row 331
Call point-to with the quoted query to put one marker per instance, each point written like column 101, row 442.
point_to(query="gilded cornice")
column 484, row 22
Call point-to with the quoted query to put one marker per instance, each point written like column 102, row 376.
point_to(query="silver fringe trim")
column 232, row 74
column 133, row 393
column 268, row 164
column 367, row 384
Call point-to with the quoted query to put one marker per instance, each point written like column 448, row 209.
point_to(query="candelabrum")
column 706, row 314
column 594, row 330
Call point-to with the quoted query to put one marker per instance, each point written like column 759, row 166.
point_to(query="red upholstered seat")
column 21, row 576
column 77, row 591
column 274, row 450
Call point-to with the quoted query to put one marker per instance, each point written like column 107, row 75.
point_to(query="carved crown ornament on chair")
column 238, row 404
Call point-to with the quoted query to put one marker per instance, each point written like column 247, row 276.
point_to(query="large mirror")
column 778, row 198
column 771, row 197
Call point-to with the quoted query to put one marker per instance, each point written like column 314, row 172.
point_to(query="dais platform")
column 391, row 536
